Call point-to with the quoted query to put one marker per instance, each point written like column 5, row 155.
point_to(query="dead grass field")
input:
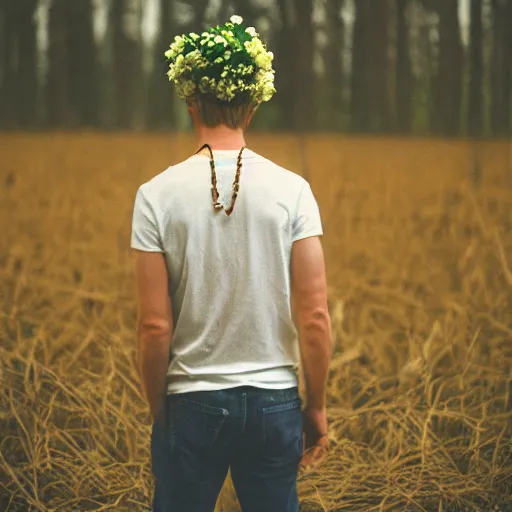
column 418, row 243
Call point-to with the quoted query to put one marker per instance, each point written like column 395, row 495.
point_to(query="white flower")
column 265, row 76
column 178, row 46
column 196, row 60
column 193, row 36
column 207, row 84
column 220, row 40
column 263, row 61
column 268, row 93
column 254, row 47
column 188, row 88
column 236, row 20
column 251, row 31
column 227, row 55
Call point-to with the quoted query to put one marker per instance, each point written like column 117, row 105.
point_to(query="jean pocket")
column 196, row 423
column 282, row 429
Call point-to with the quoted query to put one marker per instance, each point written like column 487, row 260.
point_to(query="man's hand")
column 156, row 412
column 316, row 442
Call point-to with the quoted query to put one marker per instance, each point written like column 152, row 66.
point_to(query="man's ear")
column 251, row 115
column 192, row 110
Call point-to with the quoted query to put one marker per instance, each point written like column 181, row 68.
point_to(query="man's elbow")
column 315, row 326
column 313, row 319
column 154, row 329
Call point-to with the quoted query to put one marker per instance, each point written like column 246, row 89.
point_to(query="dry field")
column 418, row 240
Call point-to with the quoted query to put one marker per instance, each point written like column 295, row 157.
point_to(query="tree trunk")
column 26, row 76
column 359, row 111
column 57, row 84
column 304, row 97
column 82, row 66
column 248, row 11
column 72, row 88
column 197, row 23
column 284, row 65
column 497, row 67
column 18, row 64
column 224, row 10
column 333, row 58
column 7, row 64
column 507, row 79
column 378, row 83
column 447, row 92
column 127, row 66
column 501, row 68
column 404, row 78
column 370, row 89
column 294, row 65
column 161, row 101
column 476, row 65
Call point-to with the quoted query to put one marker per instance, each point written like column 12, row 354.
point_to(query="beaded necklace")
column 236, row 184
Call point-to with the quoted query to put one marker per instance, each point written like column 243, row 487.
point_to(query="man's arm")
column 309, row 292
column 154, row 325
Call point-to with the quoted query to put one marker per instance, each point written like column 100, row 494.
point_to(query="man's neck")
column 221, row 138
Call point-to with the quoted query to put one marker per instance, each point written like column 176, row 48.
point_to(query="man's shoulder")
column 164, row 178
column 281, row 173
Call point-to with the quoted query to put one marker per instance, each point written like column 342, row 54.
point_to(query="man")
column 224, row 243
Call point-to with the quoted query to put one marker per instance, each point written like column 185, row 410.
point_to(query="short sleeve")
column 145, row 233
column 307, row 220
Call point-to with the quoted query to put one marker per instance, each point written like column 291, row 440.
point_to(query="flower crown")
column 229, row 61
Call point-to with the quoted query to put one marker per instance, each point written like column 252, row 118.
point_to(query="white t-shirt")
column 229, row 277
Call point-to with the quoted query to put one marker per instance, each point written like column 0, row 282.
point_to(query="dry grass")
column 421, row 291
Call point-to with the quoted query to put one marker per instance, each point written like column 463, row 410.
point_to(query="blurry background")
column 398, row 112
column 438, row 67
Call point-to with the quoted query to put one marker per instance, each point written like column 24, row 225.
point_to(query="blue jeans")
column 257, row 433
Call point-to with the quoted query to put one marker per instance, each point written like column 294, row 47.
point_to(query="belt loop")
column 244, row 405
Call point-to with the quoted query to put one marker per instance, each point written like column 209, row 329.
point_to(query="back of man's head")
column 209, row 111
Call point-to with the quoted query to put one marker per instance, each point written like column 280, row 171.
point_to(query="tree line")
column 362, row 66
